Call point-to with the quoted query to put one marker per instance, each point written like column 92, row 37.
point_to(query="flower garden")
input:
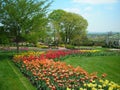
column 46, row 71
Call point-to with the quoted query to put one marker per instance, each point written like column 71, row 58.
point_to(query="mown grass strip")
column 24, row 84
column 10, row 77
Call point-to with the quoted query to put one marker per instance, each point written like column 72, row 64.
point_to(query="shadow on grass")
column 6, row 55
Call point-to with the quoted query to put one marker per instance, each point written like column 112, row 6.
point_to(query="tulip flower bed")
column 60, row 55
column 46, row 74
column 56, row 55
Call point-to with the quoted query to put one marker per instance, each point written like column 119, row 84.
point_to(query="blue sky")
column 102, row 15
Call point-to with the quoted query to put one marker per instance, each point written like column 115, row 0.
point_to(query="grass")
column 101, row 64
column 10, row 77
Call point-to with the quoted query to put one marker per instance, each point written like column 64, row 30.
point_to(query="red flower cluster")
column 60, row 53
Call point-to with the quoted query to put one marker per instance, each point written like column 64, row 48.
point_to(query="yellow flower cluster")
column 20, row 56
column 110, row 84
column 29, row 53
column 92, row 51
column 100, row 85
column 33, row 53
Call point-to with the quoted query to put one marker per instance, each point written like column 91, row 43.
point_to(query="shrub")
column 42, row 46
column 70, row 47
column 62, row 45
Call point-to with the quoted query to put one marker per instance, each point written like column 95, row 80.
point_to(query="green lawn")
column 10, row 77
column 101, row 64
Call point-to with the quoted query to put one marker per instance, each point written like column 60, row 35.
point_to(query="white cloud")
column 88, row 9
column 74, row 10
column 95, row 1
column 85, row 12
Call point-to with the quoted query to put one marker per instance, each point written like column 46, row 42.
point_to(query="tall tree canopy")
column 23, row 18
column 55, row 20
column 70, row 26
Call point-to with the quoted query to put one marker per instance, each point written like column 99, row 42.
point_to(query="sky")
column 102, row 15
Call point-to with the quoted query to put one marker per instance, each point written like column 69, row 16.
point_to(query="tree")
column 54, row 19
column 23, row 18
column 69, row 25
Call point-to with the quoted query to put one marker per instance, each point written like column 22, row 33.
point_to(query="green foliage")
column 56, row 15
column 67, row 27
column 62, row 45
column 24, row 18
column 70, row 47
column 4, row 39
column 42, row 46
